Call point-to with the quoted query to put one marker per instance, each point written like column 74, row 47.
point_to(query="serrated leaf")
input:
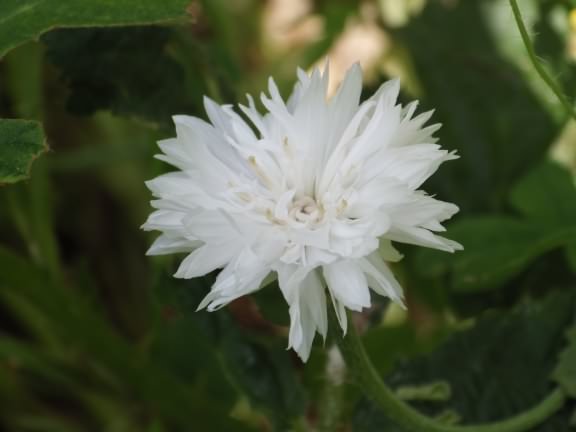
column 21, row 141
column 24, row 20
column 481, row 365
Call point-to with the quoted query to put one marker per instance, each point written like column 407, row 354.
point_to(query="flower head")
column 314, row 190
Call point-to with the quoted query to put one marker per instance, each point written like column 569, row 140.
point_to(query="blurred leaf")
column 490, row 114
column 21, row 355
column 127, row 70
column 481, row 365
column 77, row 325
column 497, row 248
column 23, row 20
column 547, row 195
column 21, row 142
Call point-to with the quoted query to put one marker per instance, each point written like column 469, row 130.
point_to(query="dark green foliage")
column 125, row 70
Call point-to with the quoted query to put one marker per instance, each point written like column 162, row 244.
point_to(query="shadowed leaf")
column 23, row 20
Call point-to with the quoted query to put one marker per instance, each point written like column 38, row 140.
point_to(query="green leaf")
column 21, row 142
column 547, row 194
column 482, row 365
column 496, row 249
column 489, row 114
column 23, row 20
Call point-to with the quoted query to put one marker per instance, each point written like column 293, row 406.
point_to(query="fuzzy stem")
column 550, row 82
column 404, row 415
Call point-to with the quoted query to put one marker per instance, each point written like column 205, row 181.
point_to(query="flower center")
column 305, row 210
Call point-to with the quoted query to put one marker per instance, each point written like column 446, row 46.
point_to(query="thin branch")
column 550, row 82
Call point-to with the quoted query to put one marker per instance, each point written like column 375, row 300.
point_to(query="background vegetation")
column 94, row 336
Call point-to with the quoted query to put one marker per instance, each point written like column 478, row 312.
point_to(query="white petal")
column 389, row 252
column 411, row 165
column 206, row 148
column 388, row 92
column 242, row 275
column 165, row 220
column 165, row 244
column 307, row 315
column 347, row 283
column 423, row 211
column 211, row 226
column 380, row 278
column 204, row 260
column 422, row 237
column 290, row 276
column 314, row 298
column 342, row 108
column 341, row 314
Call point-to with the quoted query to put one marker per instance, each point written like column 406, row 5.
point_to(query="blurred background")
column 94, row 336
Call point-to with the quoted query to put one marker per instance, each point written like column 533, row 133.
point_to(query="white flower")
column 309, row 190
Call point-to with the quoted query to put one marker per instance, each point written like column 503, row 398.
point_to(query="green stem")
column 550, row 82
column 411, row 420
